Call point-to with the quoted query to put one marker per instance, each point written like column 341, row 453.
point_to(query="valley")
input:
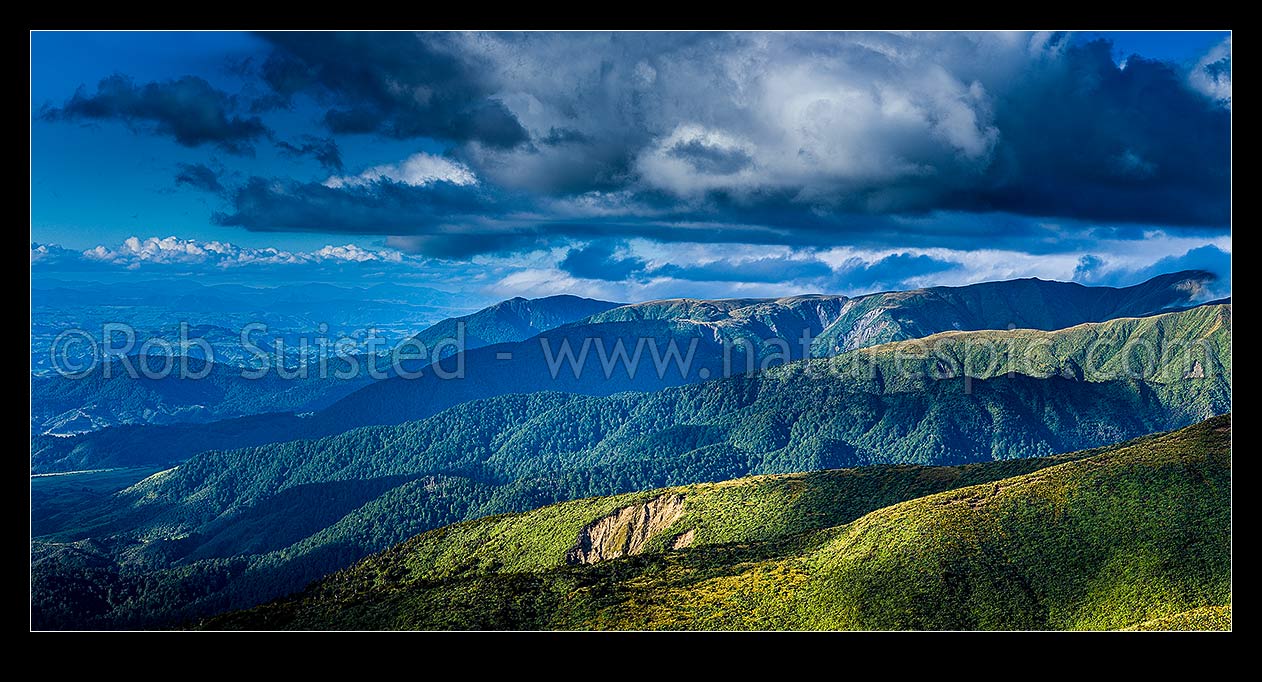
column 228, row 522
column 1134, row 535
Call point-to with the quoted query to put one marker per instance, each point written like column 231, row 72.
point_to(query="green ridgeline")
column 231, row 529
column 1131, row 535
column 699, row 327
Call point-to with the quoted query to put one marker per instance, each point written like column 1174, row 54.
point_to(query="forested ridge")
column 266, row 520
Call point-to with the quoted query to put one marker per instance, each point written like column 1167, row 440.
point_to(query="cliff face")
column 625, row 532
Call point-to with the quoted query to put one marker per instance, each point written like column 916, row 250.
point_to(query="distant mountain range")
column 242, row 526
column 218, row 312
column 772, row 328
column 64, row 406
column 1135, row 535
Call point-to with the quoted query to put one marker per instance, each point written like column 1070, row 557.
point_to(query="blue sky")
column 631, row 166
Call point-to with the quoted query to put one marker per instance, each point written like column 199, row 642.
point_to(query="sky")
column 631, row 166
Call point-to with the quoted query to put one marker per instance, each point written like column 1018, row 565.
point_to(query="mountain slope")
column 640, row 347
column 663, row 344
column 131, row 445
column 751, row 318
column 1201, row 619
column 1022, row 303
column 516, row 319
column 1194, row 342
column 1136, row 534
column 287, row 513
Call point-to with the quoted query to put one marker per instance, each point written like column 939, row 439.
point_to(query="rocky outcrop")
column 1197, row 371
column 683, row 539
column 625, row 532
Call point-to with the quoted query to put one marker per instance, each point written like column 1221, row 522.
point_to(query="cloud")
column 715, row 156
column 637, row 270
column 438, row 208
column 1100, row 270
column 561, row 136
column 693, row 160
column 425, row 205
column 1211, row 75
column 465, row 246
column 642, row 269
column 774, row 269
column 198, row 176
column 1087, row 139
column 189, row 110
column 323, row 149
column 799, row 139
column 381, row 207
column 601, row 261
column 417, row 170
column 401, row 85
column 893, row 271
column 135, row 252
column 1016, row 142
column 51, row 254
column 355, row 254
column 615, row 262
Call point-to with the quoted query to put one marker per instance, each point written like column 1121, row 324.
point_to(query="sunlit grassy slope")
column 1132, row 535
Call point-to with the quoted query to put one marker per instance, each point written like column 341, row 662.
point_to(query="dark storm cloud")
column 198, row 176
column 446, row 220
column 402, row 85
column 383, row 207
column 438, row 219
column 815, row 140
column 189, row 110
column 323, row 149
column 874, row 124
column 1092, row 140
column 954, row 140
column 598, row 261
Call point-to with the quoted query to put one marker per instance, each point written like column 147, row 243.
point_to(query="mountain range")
column 217, row 313
column 228, row 529
column 1013, row 304
column 62, row 405
column 703, row 332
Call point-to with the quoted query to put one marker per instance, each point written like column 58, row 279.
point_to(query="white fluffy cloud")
column 417, row 170
column 353, row 253
column 135, row 252
column 45, row 252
